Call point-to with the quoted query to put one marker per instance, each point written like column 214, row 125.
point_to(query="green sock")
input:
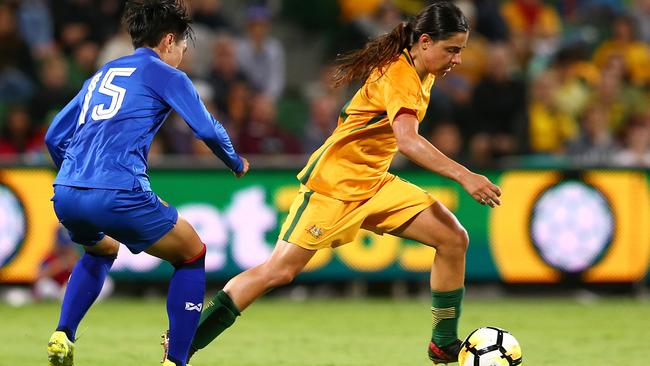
column 445, row 307
column 219, row 314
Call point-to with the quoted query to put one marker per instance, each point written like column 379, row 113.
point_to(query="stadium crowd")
column 546, row 81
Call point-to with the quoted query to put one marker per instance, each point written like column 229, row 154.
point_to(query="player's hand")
column 245, row 170
column 481, row 189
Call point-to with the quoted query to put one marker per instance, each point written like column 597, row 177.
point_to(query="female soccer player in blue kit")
column 102, row 195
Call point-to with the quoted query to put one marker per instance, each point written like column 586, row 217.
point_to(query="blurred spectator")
column 475, row 54
column 489, row 21
column 83, row 63
column 550, row 127
column 36, row 26
column 624, row 44
column 498, row 108
column 595, row 144
column 446, row 137
column 534, row 28
column 73, row 20
column 225, row 71
column 451, row 100
column 324, row 86
column 76, row 21
column 640, row 11
column 208, row 13
column 262, row 56
column 381, row 20
column 644, row 117
column 354, row 9
column 262, row 135
column 575, row 78
column 117, row 46
column 19, row 134
column 323, row 115
column 57, row 267
column 199, row 57
column 47, row 47
column 636, row 147
column 16, row 64
column 55, row 91
column 14, row 51
column 619, row 100
column 237, row 110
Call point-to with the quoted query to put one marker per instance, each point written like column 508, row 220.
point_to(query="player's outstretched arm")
column 184, row 99
column 423, row 153
column 62, row 128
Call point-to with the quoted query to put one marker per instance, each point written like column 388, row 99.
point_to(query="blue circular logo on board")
column 12, row 224
column 572, row 226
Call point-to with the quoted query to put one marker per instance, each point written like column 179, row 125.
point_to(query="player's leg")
column 83, row 288
column 437, row 227
column 301, row 235
column 286, row 261
column 182, row 247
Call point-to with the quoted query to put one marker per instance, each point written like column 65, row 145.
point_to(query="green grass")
column 552, row 332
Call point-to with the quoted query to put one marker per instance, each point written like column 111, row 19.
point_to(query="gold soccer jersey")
column 353, row 163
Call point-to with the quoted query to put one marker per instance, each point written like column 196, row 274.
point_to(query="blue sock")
column 184, row 305
column 85, row 283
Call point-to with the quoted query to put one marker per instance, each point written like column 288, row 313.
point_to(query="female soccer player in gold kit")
column 346, row 185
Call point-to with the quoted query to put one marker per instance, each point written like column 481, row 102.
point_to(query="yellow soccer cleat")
column 165, row 345
column 169, row 363
column 60, row 351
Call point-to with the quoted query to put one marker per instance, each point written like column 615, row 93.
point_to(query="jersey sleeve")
column 181, row 95
column 62, row 128
column 400, row 89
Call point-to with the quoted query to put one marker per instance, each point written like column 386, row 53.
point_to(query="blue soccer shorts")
column 136, row 218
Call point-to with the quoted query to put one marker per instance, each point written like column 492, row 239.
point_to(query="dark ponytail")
column 440, row 20
column 377, row 53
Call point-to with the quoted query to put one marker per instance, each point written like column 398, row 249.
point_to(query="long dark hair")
column 149, row 20
column 440, row 20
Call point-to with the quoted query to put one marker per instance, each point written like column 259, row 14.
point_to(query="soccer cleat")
column 165, row 345
column 60, row 351
column 446, row 354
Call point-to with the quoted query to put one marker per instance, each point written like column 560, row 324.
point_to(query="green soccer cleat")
column 446, row 354
column 60, row 351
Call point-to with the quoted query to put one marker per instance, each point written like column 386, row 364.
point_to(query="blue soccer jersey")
column 101, row 138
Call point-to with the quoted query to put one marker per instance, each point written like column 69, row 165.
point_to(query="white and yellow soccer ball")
column 490, row 346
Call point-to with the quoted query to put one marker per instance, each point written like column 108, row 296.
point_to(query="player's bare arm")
column 423, row 153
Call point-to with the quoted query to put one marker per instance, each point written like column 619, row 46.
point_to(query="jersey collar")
column 147, row 51
column 407, row 55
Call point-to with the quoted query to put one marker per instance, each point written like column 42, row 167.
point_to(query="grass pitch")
column 273, row 332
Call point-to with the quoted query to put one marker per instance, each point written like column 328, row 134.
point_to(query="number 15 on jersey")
column 99, row 111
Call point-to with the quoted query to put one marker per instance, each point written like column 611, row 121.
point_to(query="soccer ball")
column 490, row 346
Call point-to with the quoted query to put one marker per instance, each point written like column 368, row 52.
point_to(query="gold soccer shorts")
column 317, row 221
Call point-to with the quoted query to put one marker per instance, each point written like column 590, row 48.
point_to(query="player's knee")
column 455, row 242
column 460, row 240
